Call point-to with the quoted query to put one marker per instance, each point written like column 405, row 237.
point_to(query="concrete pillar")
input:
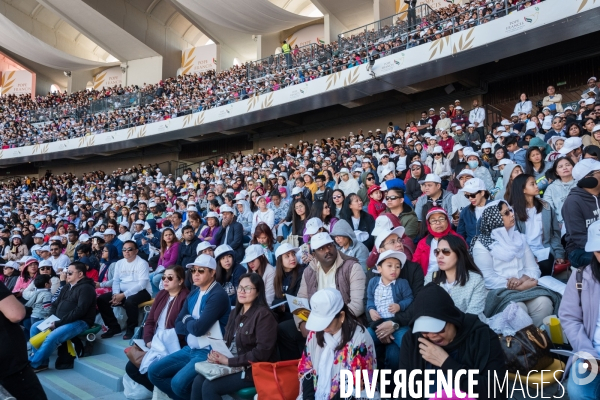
column 266, row 44
column 333, row 27
column 383, row 9
column 145, row 70
column 78, row 81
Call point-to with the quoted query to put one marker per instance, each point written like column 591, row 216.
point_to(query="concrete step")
column 114, row 346
column 104, row 369
column 72, row 385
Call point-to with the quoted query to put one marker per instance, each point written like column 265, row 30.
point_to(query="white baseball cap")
column 109, row 231
column 473, row 185
column 203, row 246
column 224, row 248
column 465, row 172
column 319, row 240
column 584, row 167
column 392, row 254
column 203, row 260
column 225, row 208
column 253, row 252
column 313, row 225
column 504, row 161
column 84, row 237
column 212, row 214
column 382, row 225
column 285, row 248
column 386, row 169
column 385, row 234
column 431, row 178
column 296, row 191
column 571, row 144
column 428, row 324
column 325, row 305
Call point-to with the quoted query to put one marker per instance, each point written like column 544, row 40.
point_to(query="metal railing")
column 277, row 63
column 388, row 28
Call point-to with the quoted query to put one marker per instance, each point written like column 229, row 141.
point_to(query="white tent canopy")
column 257, row 17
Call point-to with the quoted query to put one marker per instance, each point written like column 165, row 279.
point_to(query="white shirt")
column 433, row 265
column 383, row 298
column 355, row 222
column 477, row 115
column 479, row 211
column 533, row 227
column 131, row 277
column 268, row 217
column 162, row 320
column 124, row 237
column 62, row 262
column 326, row 280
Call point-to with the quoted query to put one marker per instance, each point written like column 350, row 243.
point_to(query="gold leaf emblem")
column 268, row 102
column 200, row 119
column 187, row 62
column 464, row 43
column 98, row 80
column 187, row 119
column 36, row 147
column 142, row 132
column 253, row 102
column 6, row 82
column 130, row 132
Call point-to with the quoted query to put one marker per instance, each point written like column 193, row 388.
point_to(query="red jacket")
column 423, row 250
column 375, row 208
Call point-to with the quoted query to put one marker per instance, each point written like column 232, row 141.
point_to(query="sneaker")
column 110, row 333
column 128, row 335
column 40, row 368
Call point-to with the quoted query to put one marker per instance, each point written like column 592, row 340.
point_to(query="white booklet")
column 47, row 322
column 552, row 284
column 299, row 306
column 220, row 346
column 213, row 333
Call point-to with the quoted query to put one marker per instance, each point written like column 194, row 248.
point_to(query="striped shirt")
column 383, row 299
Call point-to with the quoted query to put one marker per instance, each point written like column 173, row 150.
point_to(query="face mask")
column 473, row 164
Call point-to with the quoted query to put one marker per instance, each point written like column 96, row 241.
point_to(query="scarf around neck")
column 326, row 365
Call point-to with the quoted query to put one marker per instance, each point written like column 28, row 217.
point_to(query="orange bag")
column 280, row 377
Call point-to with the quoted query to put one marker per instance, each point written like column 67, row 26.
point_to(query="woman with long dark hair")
column 536, row 166
column 458, row 275
column 257, row 262
column 263, row 235
column 338, row 198
column 352, row 212
column 555, row 194
column 320, row 209
column 299, row 216
column 229, row 271
column 288, row 276
column 251, row 334
column 336, row 341
column 578, row 316
column 536, row 219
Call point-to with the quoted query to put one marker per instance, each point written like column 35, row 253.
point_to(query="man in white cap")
column 581, row 209
column 329, row 268
column 110, row 237
column 433, row 195
column 231, row 232
column 572, row 148
column 206, row 306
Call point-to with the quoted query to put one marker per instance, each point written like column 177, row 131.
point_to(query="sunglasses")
column 392, row 198
column 69, row 273
column 336, row 197
column 437, row 154
column 370, row 178
column 445, row 251
column 42, row 268
column 506, row 213
column 165, row 277
column 129, row 249
column 471, row 195
column 198, row 270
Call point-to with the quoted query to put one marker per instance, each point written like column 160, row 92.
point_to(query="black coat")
column 235, row 239
column 76, row 303
column 187, row 252
column 366, row 224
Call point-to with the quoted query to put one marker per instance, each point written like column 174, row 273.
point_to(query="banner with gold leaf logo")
column 16, row 82
column 308, row 35
column 199, row 59
column 108, row 78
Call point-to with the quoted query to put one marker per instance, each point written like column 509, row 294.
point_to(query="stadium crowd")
column 415, row 246
column 60, row 116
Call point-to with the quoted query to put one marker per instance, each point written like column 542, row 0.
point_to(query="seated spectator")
column 506, row 261
column 388, row 294
column 131, row 287
column 16, row 250
column 228, row 270
column 244, row 217
column 445, row 338
column 28, row 272
column 580, row 210
column 537, row 221
column 578, row 317
column 76, row 310
column 39, row 302
column 329, row 269
column 397, row 206
column 438, row 226
column 251, row 335
column 44, row 268
column 384, row 223
column 479, row 170
column 433, row 196
column 163, row 313
column 438, row 163
column 211, row 232
column 459, row 276
column 107, row 270
column 461, row 175
column 562, row 184
column 338, row 198
column 345, row 182
column 288, row 276
column 478, row 196
column 509, row 173
column 263, row 235
column 335, row 334
column 59, row 260
column 358, row 219
column 231, row 232
column 186, row 253
column 323, row 212
column 262, row 215
column 10, row 274
column 206, row 305
column 348, row 244
column 413, row 188
column 257, row 262
column 169, row 250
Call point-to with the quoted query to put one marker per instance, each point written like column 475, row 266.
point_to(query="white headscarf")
column 326, row 365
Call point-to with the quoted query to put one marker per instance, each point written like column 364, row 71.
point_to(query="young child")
column 384, row 297
column 376, row 205
column 40, row 302
column 547, row 124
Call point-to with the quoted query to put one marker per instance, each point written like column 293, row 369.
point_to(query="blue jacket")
column 401, row 292
column 468, row 224
column 214, row 306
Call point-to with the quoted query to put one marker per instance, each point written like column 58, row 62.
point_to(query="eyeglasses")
column 169, row 277
column 41, row 268
column 198, row 270
column 471, row 195
column 129, row 249
column 445, row 251
column 393, row 242
column 506, row 213
column 392, row 198
column 437, row 221
column 245, row 289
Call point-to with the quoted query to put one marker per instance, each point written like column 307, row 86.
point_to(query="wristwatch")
column 396, row 326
